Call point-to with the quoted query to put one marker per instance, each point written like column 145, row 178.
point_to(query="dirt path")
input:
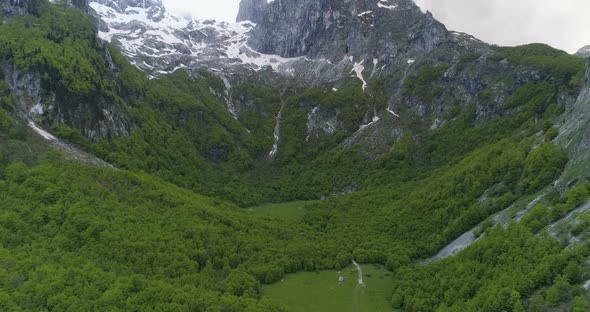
column 360, row 273
column 358, row 290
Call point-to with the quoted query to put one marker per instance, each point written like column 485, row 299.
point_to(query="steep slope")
column 405, row 160
column 60, row 77
column 575, row 137
column 115, row 240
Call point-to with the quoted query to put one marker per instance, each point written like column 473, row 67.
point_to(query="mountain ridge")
column 156, row 42
column 216, row 40
column 161, row 43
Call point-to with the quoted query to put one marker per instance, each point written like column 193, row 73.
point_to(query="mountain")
column 311, row 104
column 148, row 32
column 155, row 163
column 315, row 103
column 583, row 52
column 332, row 42
column 65, row 100
column 160, row 43
column 335, row 29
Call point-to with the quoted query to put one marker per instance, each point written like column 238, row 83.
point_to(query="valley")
column 150, row 163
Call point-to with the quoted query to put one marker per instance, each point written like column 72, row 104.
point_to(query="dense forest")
column 167, row 230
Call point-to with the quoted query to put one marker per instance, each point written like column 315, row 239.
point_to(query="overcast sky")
column 564, row 24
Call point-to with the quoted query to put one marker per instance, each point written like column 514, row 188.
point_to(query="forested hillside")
column 169, row 229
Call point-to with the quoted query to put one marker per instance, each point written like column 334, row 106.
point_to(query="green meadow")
column 320, row 291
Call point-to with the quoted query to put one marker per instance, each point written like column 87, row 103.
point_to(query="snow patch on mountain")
column 385, row 5
column 365, row 13
column 358, row 68
column 238, row 48
column 465, row 39
column 392, row 112
column 160, row 43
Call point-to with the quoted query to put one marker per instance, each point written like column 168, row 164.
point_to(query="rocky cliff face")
column 252, row 10
column 44, row 106
column 332, row 29
column 11, row 8
column 95, row 120
column 574, row 136
column 584, row 52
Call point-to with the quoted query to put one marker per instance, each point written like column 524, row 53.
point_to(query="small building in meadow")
column 341, row 280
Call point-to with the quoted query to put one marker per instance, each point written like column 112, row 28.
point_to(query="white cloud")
column 563, row 24
column 221, row 10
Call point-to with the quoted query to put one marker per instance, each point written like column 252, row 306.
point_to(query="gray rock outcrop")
column 583, row 52
column 332, row 29
column 252, row 10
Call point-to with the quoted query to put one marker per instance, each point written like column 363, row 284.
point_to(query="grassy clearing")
column 321, row 292
column 291, row 211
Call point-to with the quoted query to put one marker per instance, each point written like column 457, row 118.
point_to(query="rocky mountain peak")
column 160, row 43
column 316, row 41
column 333, row 29
column 583, row 52
column 251, row 10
